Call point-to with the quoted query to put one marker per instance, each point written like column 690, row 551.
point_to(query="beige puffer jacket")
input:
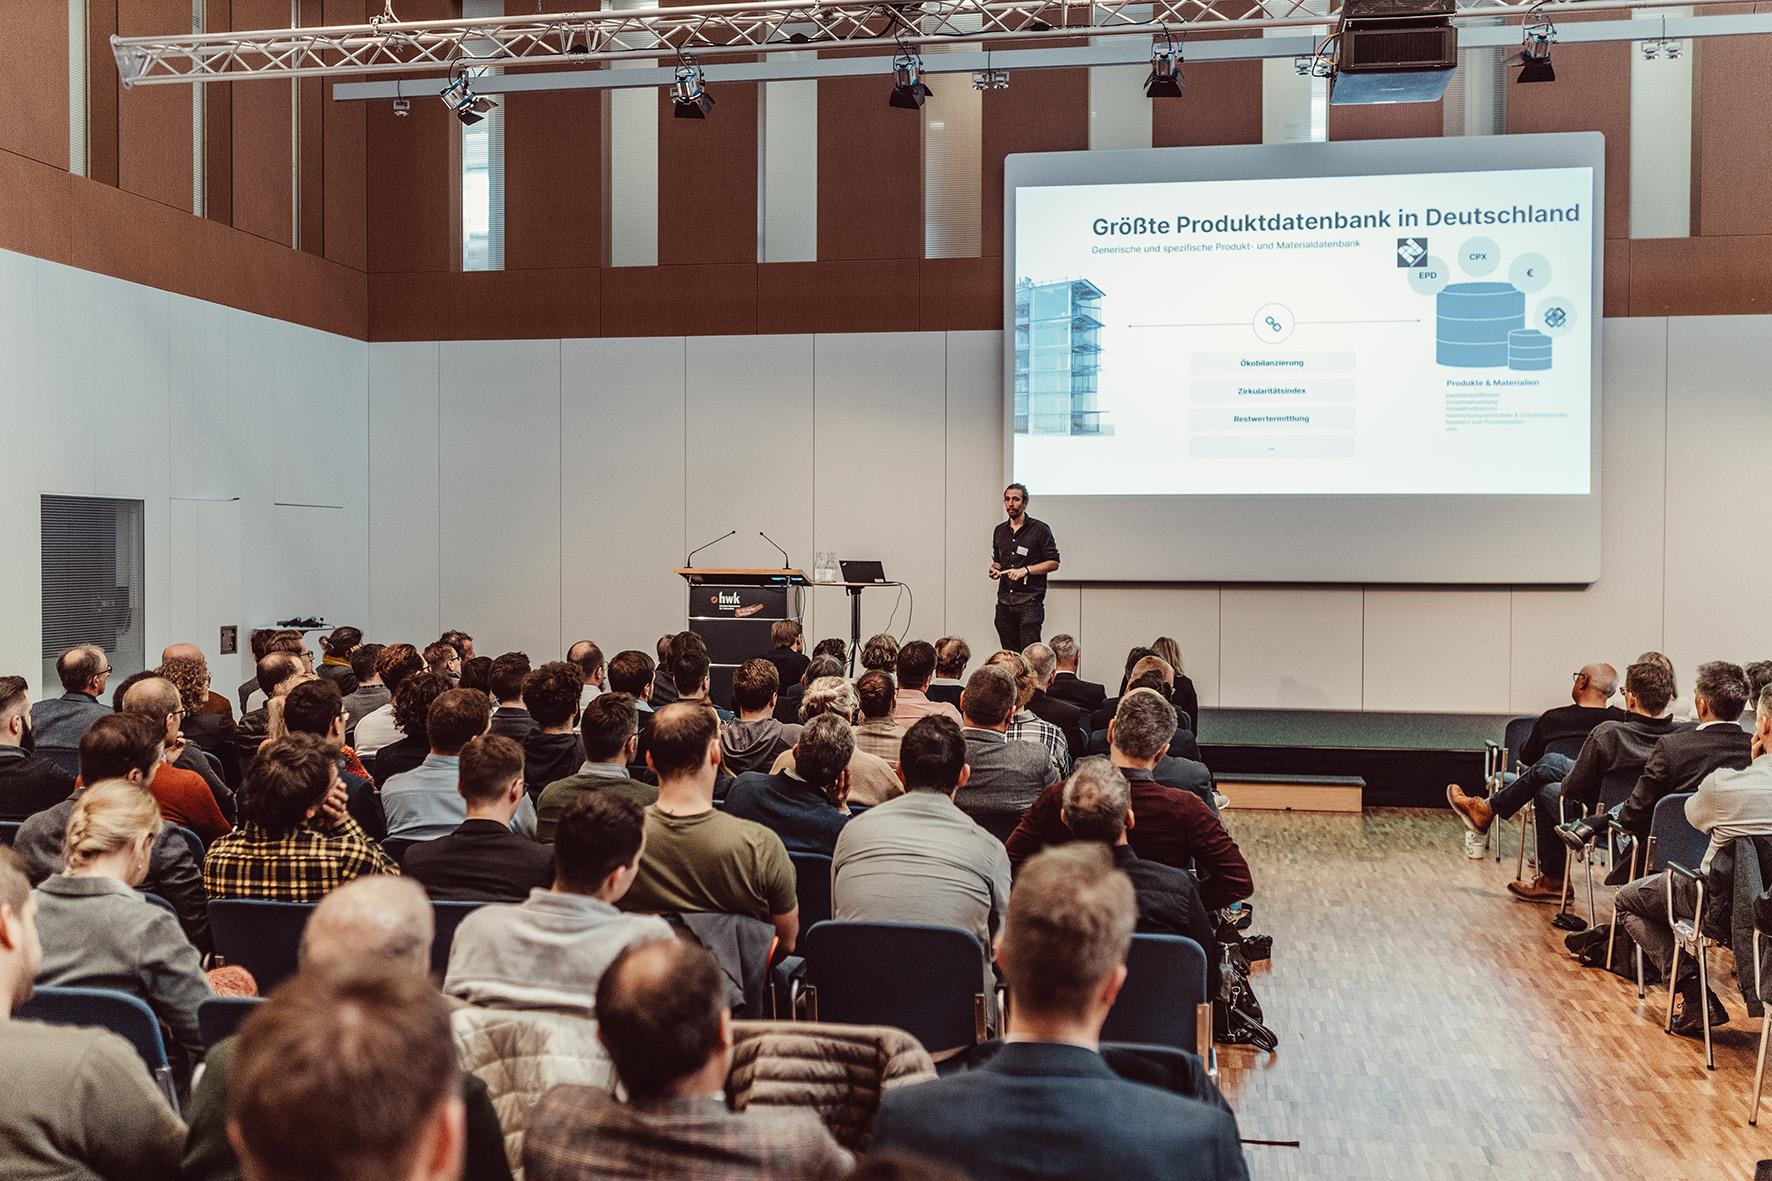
column 837, row 1071
column 519, row 1055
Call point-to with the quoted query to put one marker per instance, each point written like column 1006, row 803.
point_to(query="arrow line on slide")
column 1245, row 323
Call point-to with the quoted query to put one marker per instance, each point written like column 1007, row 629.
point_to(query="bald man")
column 187, row 797
column 369, row 920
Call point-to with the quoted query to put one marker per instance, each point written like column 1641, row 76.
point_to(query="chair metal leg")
column 1642, row 989
column 1612, row 935
column 1753, row 1110
column 1673, row 973
column 1710, row 1058
column 1520, row 864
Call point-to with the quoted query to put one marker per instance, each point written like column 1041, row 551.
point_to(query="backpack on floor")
column 1589, row 949
column 1236, row 1014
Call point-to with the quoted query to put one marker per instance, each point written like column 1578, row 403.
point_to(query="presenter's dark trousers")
column 1018, row 624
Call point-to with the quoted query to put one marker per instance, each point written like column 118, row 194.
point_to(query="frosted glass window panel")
column 1294, row 108
column 787, row 171
column 1660, row 134
column 953, row 150
column 77, row 88
column 1476, row 102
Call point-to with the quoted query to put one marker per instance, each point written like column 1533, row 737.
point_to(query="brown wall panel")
column 37, row 69
column 264, row 196
column 870, row 170
column 345, row 212
column 133, row 237
column 1386, row 121
column 409, row 187
column 1731, row 171
column 1221, row 105
column 962, row 294
column 1591, row 93
column 409, row 306
column 1616, row 296
column 1042, row 111
column 154, row 122
column 34, row 215
column 679, row 300
column 1701, row 276
column 553, row 179
column 524, row 305
column 880, row 295
column 707, row 180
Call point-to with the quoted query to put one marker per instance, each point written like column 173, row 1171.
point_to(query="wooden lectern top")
column 767, row 577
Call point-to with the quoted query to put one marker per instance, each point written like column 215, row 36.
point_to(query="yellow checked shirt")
column 300, row 866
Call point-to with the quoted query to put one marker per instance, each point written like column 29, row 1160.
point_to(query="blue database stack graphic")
column 1475, row 322
column 1528, row 349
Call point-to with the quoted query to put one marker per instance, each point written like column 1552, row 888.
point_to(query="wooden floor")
column 1432, row 1026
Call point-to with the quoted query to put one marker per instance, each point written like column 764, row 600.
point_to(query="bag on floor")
column 1236, row 1014
column 1589, row 948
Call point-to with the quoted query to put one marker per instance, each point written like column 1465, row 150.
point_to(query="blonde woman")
column 97, row 932
column 872, row 780
column 275, row 727
column 1184, row 697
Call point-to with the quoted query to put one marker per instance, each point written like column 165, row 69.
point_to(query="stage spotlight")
column 1165, row 79
column 689, row 97
column 990, row 79
column 1535, row 53
column 469, row 107
column 908, row 87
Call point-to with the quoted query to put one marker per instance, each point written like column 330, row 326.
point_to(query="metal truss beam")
column 388, row 45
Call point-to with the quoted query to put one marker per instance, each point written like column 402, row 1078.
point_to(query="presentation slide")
column 1395, row 334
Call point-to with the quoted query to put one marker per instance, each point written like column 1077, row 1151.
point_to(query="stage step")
column 1293, row 793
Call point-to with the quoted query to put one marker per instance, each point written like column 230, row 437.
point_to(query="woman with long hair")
column 335, row 662
column 1185, row 699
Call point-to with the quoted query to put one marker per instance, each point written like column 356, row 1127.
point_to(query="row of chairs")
column 263, row 937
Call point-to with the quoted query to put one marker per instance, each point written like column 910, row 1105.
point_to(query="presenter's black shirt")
column 1009, row 547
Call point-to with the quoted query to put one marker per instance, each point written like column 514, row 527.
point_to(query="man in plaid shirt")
column 296, row 842
column 1023, row 725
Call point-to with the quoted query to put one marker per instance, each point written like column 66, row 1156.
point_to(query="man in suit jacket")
column 1047, row 1105
column 1066, row 715
column 28, row 784
column 483, row 860
column 1006, row 776
column 60, row 722
column 1067, row 685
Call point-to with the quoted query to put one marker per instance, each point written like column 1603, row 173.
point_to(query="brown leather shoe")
column 1539, row 889
column 1473, row 810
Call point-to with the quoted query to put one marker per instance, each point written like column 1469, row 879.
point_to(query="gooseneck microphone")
column 771, row 541
column 689, row 560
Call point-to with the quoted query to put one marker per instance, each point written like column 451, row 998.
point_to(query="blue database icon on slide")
column 1474, row 324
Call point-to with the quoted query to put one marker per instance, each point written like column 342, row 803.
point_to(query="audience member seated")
column 335, row 660
column 423, row 803
column 951, row 657
column 444, row 659
column 208, row 721
column 611, row 736
column 78, row 1103
column 877, row 733
column 292, row 644
column 1024, row 726
column 296, row 841
column 664, row 688
column 631, row 672
column 1684, row 758
column 871, row 778
column 1729, row 802
column 790, row 702
column 60, row 722
column 1182, row 693
column 483, row 860
column 1098, row 807
column 316, row 708
column 699, row 859
column 1620, row 747
column 511, row 717
column 757, row 737
column 1072, row 721
column 255, row 724
column 476, row 673
column 806, row 805
column 880, row 652
column 1047, row 1105
column 201, row 699
column 97, row 932
column 371, row 693
column 549, row 952
column 379, row 727
column 1006, row 776
column 1759, row 675
column 348, row 1074
column 259, row 643
column 592, row 670
column 1067, row 685
column 374, row 924
column 915, row 667
column 1175, row 827
column 186, row 798
column 552, row 750
column 1151, row 672
column 787, row 651
column 28, row 784
column 662, row 1016
column 123, row 747
column 920, row 859
column 412, row 712
column 689, row 673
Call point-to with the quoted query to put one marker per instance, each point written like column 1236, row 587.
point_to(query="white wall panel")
column 499, row 494
column 1117, row 619
column 975, row 484
column 1719, row 428
column 879, row 463
column 1064, row 610
column 405, row 562
column 748, row 449
column 1290, row 648
column 206, row 581
column 621, row 431
column 21, row 632
column 1557, row 631
column 66, row 404
column 1442, row 651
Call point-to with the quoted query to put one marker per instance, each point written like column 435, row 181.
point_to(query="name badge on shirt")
column 1021, row 551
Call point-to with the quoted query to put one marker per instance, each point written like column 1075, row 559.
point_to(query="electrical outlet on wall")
column 230, row 639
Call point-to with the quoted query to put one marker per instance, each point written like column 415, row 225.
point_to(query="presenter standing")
column 1022, row 555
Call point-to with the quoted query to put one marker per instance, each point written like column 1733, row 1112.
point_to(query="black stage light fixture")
column 689, row 96
column 469, row 107
column 908, row 88
column 1535, row 54
column 1165, row 79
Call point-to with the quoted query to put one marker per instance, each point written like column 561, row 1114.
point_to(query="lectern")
column 732, row 611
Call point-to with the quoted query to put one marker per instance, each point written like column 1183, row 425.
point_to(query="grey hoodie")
column 754, row 745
